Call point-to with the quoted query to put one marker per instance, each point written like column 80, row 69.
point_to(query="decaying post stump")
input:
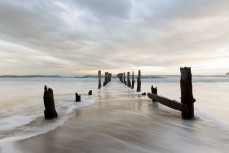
column 99, row 77
column 124, row 78
column 153, row 91
column 128, row 79
column 186, row 92
column 50, row 111
column 90, row 92
column 78, row 97
column 139, row 81
column 132, row 87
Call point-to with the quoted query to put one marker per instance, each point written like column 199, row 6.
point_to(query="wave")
column 20, row 127
column 29, row 76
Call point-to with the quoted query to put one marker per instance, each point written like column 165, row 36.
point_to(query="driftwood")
column 132, row 87
column 99, row 77
column 78, row 97
column 186, row 92
column 167, row 102
column 50, row 111
column 139, row 81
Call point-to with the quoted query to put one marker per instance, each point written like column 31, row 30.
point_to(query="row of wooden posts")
column 49, row 103
column 107, row 78
column 122, row 78
column 187, row 101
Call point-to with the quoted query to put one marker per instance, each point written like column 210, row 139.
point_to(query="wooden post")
column 153, row 91
column 132, row 87
column 128, row 79
column 50, row 111
column 186, row 92
column 124, row 78
column 78, row 97
column 109, row 77
column 105, row 79
column 120, row 76
column 90, row 92
column 139, row 81
column 99, row 77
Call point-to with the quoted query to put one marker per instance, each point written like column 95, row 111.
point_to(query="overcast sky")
column 72, row 37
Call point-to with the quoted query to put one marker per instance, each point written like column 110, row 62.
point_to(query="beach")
column 119, row 119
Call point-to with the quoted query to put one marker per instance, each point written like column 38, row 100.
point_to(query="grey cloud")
column 72, row 36
column 106, row 8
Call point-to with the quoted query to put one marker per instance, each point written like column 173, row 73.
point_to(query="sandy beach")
column 122, row 120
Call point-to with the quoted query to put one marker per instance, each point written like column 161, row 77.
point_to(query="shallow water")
column 118, row 119
column 22, row 104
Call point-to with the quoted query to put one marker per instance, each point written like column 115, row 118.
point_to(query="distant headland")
column 227, row 73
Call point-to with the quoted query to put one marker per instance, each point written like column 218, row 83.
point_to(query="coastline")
column 122, row 120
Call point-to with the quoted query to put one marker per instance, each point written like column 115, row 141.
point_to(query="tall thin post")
column 128, row 80
column 132, row 87
column 139, row 81
column 124, row 78
column 121, row 77
column 99, row 77
column 186, row 92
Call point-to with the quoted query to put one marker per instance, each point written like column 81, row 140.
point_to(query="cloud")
column 73, row 37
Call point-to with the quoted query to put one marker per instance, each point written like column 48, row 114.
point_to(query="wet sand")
column 122, row 120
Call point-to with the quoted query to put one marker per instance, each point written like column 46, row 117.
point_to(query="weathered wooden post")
column 120, row 76
column 186, row 92
column 124, row 78
column 109, row 77
column 132, row 87
column 99, row 77
column 128, row 79
column 139, row 81
column 153, row 91
column 90, row 92
column 50, row 111
column 78, row 97
column 105, row 79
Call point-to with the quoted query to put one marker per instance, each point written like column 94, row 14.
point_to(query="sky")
column 76, row 37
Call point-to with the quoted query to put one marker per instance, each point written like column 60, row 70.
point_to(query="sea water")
column 22, row 108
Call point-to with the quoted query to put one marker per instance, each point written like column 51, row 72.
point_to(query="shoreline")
column 122, row 120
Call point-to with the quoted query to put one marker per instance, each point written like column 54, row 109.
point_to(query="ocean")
column 22, row 107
